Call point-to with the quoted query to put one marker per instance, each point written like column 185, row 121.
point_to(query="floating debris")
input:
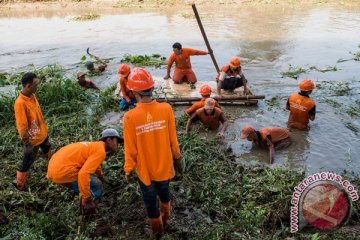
column 86, row 17
column 293, row 72
column 154, row 60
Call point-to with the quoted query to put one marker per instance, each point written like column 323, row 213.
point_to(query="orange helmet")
column 235, row 62
column 246, row 131
column 307, row 85
column 124, row 70
column 140, row 80
column 205, row 90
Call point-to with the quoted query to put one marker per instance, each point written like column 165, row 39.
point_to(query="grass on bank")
column 216, row 198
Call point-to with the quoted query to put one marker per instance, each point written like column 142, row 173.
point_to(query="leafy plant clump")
column 293, row 72
column 323, row 70
column 154, row 60
column 86, row 17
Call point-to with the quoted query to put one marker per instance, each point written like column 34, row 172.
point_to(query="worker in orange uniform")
column 78, row 166
column 145, row 127
column 128, row 98
column 183, row 70
column 211, row 116
column 98, row 69
column 270, row 138
column 231, row 77
column 85, row 84
column 31, row 127
column 302, row 107
column 205, row 92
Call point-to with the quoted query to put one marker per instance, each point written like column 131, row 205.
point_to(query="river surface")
column 266, row 38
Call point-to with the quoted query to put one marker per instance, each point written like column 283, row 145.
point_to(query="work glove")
column 178, row 166
column 28, row 148
column 87, row 206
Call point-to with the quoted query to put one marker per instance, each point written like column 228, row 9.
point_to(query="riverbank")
column 115, row 4
column 217, row 197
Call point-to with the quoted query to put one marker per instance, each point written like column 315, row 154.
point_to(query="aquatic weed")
column 86, row 17
column 293, row 72
column 154, row 60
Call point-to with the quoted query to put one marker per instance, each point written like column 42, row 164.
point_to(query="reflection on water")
column 266, row 38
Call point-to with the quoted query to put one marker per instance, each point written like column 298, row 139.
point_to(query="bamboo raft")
column 184, row 94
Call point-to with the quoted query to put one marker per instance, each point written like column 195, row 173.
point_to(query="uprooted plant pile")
column 154, row 60
column 216, row 198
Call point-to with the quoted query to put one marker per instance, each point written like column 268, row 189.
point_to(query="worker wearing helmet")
column 211, row 116
column 151, row 148
column 302, row 107
column 231, row 77
column 128, row 98
column 98, row 69
column 183, row 70
column 78, row 166
column 205, row 92
column 85, row 84
column 271, row 138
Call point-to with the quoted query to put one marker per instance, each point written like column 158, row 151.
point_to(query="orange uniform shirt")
column 127, row 94
column 198, row 105
column 150, row 141
column 226, row 69
column 29, row 119
column 276, row 134
column 213, row 120
column 182, row 61
column 301, row 108
column 76, row 162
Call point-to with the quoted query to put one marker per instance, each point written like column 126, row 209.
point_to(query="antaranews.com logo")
column 322, row 200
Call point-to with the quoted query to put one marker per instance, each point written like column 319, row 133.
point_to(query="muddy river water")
column 266, row 38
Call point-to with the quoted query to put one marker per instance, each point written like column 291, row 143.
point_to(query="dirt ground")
column 111, row 4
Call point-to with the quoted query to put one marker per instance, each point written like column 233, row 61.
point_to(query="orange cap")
column 307, row 85
column 209, row 103
column 205, row 90
column 235, row 62
column 80, row 74
column 140, row 80
column 124, row 70
column 246, row 131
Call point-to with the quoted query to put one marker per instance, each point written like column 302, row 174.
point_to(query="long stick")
column 205, row 38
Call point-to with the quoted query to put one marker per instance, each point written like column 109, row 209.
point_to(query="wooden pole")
column 205, row 38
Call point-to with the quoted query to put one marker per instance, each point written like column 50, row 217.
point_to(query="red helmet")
column 235, row 62
column 124, row 70
column 140, row 80
column 205, row 90
column 307, row 85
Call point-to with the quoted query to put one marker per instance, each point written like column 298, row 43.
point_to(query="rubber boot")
column 156, row 226
column 165, row 212
column 21, row 178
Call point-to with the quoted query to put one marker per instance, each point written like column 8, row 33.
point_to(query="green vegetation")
column 357, row 56
column 86, row 17
column 293, row 72
column 217, row 198
column 327, row 69
column 154, row 60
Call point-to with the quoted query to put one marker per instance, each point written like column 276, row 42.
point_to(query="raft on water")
column 186, row 94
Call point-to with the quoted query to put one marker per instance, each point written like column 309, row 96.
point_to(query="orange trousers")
column 184, row 75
